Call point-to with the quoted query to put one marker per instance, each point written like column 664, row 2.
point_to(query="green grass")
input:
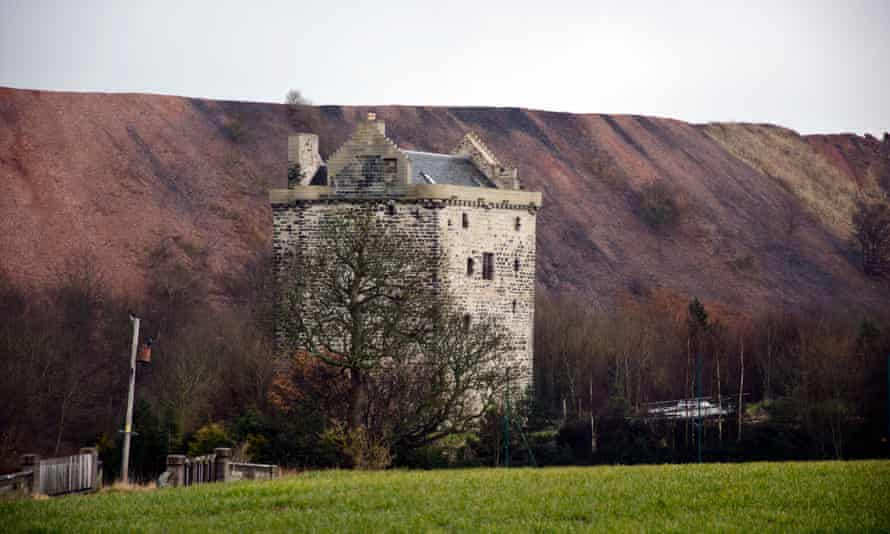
column 836, row 496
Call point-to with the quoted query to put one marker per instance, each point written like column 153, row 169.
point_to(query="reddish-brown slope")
column 863, row 157
column 122, row 176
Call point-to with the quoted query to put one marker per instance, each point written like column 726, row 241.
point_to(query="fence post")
column 96, row 472
column 176, row 466
column 223, row 464
column 31, row 463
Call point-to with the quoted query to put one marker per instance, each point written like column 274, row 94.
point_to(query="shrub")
column 659, row 207
column 235, row 130
column 207, row 438
column 743, row 264
column 871, row 223
column 363, row 450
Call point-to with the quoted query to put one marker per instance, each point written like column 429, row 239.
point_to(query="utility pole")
column 698, row 425
column 128, row 426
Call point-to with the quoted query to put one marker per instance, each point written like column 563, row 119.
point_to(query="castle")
column 466, row 203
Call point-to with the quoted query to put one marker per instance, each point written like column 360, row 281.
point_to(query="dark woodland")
column 813, row 386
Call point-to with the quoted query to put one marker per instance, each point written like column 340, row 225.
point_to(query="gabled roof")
column 445, row 169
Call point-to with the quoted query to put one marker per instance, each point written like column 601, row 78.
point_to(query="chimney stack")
column 303, row 159
column 380, row 125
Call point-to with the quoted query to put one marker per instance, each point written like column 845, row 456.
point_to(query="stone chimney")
column 303, row 159
column 379, row 124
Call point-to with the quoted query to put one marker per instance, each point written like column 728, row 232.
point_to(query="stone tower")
column 466, row 204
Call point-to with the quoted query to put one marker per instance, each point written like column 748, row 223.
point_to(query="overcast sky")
column 815, row 66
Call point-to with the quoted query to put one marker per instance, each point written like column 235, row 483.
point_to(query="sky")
column 811, row 65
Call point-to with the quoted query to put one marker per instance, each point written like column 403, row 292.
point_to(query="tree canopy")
column 366, row 298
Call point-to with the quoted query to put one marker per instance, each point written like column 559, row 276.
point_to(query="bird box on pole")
column 144, row 355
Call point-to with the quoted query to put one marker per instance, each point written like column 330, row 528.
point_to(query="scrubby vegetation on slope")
column 785, row 156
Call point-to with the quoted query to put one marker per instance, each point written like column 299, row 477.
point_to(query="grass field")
column 837, row 496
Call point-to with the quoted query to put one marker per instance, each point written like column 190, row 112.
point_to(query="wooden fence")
column 246, row 471
column 216, row 467
column 55, row 476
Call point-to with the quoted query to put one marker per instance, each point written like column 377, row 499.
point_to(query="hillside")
column 135, row 181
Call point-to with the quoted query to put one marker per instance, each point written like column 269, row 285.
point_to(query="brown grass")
column 128, row 487
column 785, row 156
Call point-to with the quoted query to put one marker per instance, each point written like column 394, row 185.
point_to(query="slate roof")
column 320, row 177
column 429, row 168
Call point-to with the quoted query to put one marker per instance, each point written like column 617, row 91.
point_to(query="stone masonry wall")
column 369, row 164
column 302, row 154
column 509, row 294
column 297, row 227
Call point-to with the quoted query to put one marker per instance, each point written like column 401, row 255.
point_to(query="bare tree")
column 871, row 224
column 295, row 98
column 365, row 298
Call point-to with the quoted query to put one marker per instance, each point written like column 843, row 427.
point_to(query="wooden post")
column 95, row 472
column 176, row 466
column 31, row 464
column 223, row 464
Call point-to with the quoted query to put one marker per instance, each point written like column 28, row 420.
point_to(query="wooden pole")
column 128, row 425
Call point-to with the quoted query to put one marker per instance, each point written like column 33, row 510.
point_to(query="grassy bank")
column 848, row 496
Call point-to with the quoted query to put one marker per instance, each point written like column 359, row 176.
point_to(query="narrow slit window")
column 467, row 321
column 470, row 265
column 514, row 306
column 465, row 220
column 487, row 265
column 516, row 265
column 518, row 224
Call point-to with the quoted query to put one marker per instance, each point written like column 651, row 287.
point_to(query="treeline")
column 812, row 386
column 64, row 363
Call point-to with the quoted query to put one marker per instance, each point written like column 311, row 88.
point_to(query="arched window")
column 465, row 220
column 470, row 265
column 390, row 209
